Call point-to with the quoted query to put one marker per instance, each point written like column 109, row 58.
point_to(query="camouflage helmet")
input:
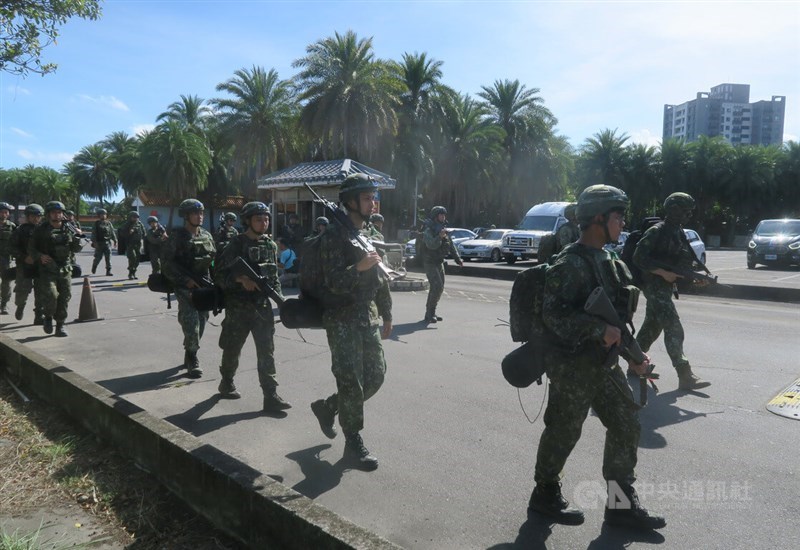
column 188, row 206
column 376, row 218
column 151, row 219
column 600, row 199
column 69, row 213
column 54, row 205
column 133, row 214
column 101, row 211
column 34, row 209
column 251, row 209
column 355, row 184
column 6, row 206
column 679, row 203
column 569, row 211
column 322, row 220
column 230, row 216
column 436, row 210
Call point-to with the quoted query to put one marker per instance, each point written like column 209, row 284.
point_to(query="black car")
column 773, row 243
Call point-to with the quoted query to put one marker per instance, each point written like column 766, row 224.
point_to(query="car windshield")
column 538, row 223
column 492, row 236
column 770, row 228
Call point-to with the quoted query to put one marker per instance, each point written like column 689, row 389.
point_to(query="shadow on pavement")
column 404, row 329
column 143, row 382
column 532, row 535
column 321, row 475
column 191, row 421
column 662, row 410
column 33, row 338
column 611, row 538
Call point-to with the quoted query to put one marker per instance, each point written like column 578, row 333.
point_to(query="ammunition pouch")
column 301, row 312
column 629, row 300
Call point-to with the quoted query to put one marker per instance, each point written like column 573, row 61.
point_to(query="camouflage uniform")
column 26, row 273
column 102, row 235
column 435, row 251
column 7, row 228
column 133, row 232
column 352, row 327
column 154, row 246
column 664, row 243
column 577, row 382
column 185, row 254
column 567, row 234
column 224, row 235
column 248, row 312
column 55, row 278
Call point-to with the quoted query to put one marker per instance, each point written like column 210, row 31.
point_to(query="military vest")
column 103, row 230
column 196, row 252
column 136, row 233
column 6, row 230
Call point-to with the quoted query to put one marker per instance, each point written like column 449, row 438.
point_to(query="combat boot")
column 192, row 364
column 430, row 317
column 38, row 319
column 688, row 381
column 326, row 418
column 20, row 311
column 94, row 269
column 108, row 273
column 356, row 453
column 60, row 332
column 47, row 325
column 227, row 389
column 547, row 500
column 274, row 402
column 632, row 514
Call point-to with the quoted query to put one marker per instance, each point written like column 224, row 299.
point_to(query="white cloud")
column 18, row 90
column 40, row 157
column 790, row 137
column 108, row 101
column 645, row 137
column 21, row 133
column 141, row 129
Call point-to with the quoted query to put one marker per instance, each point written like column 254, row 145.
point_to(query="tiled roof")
column 160, row 198
column 327, row 172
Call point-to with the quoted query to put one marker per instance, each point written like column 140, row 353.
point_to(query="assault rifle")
column 687, row 274
column 295, row 313
column 340, row 218
column 599, row 305
column 74, row 230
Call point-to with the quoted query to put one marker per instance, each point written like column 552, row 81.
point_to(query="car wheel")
column 511, row 260
column 751, row 265
column 496, row 257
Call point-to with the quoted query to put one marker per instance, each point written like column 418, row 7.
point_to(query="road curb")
column 245, row 503
column 738, row 292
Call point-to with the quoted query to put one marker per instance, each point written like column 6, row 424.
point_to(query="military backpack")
column 629, row 248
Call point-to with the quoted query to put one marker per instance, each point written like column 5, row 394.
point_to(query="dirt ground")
column 60, row 487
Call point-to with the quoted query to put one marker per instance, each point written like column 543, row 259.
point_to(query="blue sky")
column 598, row 65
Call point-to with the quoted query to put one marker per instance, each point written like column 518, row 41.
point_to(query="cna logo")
column 593, row 494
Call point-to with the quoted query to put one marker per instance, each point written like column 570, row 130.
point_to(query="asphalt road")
column 456, row 450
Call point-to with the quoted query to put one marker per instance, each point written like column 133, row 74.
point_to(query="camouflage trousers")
column 54, row 291
column 241, row 320
column 5, row 281
column 661, row 314
column 573, row 390
column 192, row 322
column 133, row 253
column 435, row 274
column 102, row 250
column 22, row 288
column 359, row 368
column 155, row 260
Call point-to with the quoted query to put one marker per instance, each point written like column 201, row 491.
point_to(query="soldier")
column 247, row 310
column 26, row 269
column 320, row 225
column 187, row 257
column 580, row 344
column 226, row 231
column 52, row 247
column 133, row 232
column 666, row 243
column 155, row 237
column 355, row 296
column 6, row 230
column 435, row 245
column 376, row 220
column 102, row 237
column 293, row 232
column 569, row 232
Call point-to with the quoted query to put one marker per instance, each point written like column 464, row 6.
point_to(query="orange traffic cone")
column 88, row 309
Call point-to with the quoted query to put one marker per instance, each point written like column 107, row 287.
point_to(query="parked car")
column 774, row 242
column 485, row 246
column 694, row 239
column 457, row 234
column 540, row 220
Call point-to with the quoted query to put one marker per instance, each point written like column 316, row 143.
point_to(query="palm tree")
column 258, row 122
column 176, row 160
column 191, row 112
column 674, row 167
column 349, row 96
column 124, row 157
column 707, row 166
column 94, row 172
column 787, row 178
column 604, row 158
column 642, row 180
column 750, row 183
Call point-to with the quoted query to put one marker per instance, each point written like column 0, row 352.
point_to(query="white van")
column 523, row 242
